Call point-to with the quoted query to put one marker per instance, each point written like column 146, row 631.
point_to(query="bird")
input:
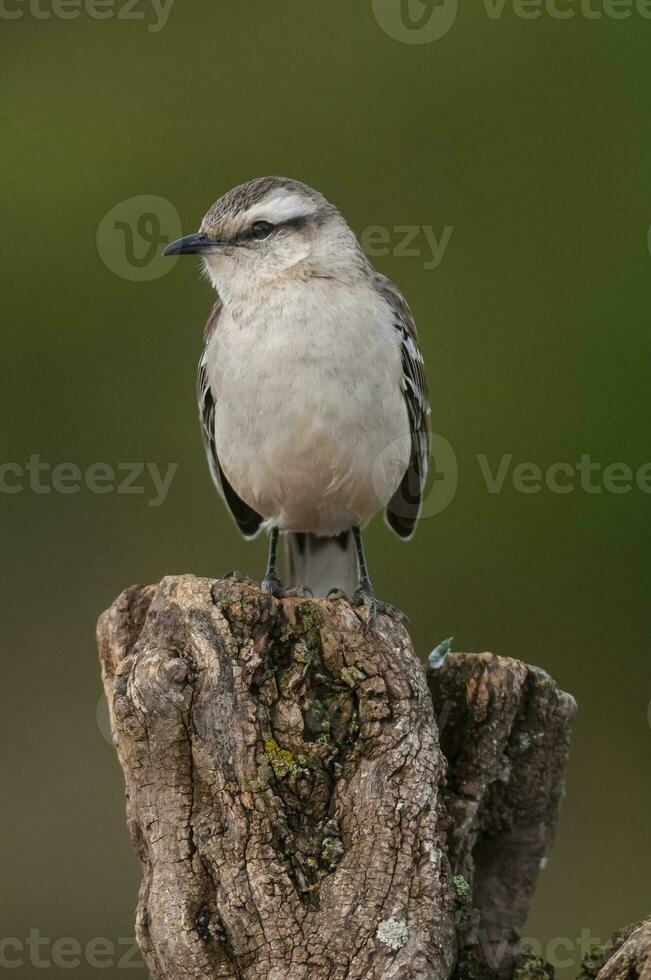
column 312, row 392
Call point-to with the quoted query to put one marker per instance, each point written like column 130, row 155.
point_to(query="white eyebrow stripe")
column 281, row 207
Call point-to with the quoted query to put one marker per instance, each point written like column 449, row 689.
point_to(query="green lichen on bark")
column 461, row 887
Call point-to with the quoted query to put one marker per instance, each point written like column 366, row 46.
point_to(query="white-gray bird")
column 312, row 391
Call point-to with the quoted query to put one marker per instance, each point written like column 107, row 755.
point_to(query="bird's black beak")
column 197, row 244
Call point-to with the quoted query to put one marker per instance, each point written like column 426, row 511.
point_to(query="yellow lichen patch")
column 280, row 760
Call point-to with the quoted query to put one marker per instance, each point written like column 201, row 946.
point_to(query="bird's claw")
column 274, row 586
column 365, row 598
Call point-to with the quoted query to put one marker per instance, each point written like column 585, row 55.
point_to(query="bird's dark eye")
column 261, row 229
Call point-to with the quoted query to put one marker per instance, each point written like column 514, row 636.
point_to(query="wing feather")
column 247, row 519
column 404, row 507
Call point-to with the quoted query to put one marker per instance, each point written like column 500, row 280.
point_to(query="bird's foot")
column 366, row 597
column 273, row 585
column 335, row 594
column 235, row 576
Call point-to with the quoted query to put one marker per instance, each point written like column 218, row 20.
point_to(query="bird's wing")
column 404, row 507
column 247, row 519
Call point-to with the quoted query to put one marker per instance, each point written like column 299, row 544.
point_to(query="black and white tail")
column 321, row 564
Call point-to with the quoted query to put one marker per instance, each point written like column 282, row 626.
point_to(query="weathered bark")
column 504, row 729
column 627, row 957
column 287, row 795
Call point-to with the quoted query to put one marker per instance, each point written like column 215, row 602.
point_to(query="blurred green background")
column 531, row 139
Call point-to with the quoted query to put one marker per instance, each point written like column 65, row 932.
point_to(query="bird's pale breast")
column 311, row 427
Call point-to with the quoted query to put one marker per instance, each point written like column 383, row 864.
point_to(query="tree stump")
column 297, row 810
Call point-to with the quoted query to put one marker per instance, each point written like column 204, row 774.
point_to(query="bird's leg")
column 271, row 582
column 364, row 595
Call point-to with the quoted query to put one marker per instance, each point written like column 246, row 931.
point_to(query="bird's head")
column 271, row 230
